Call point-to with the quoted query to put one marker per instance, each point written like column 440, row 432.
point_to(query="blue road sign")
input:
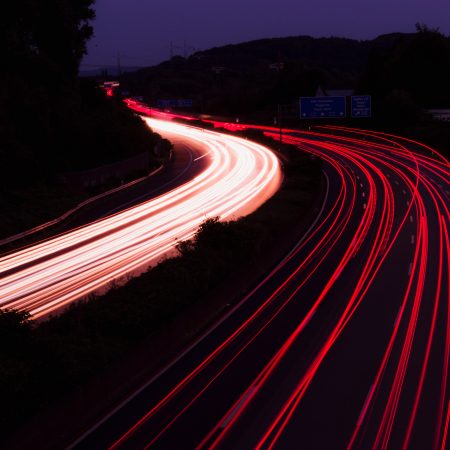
column 361, row 106
column 322, row 107
column 167, row 103
column 174, row 103
column 186, row 103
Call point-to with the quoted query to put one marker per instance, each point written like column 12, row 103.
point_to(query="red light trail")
column 373, row 274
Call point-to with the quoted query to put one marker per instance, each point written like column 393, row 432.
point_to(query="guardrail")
column 58, row 220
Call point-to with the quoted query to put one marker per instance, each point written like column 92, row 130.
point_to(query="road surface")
column 345, row 345
column 237, row 177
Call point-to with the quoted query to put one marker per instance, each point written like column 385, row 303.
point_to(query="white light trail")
column 239, row 176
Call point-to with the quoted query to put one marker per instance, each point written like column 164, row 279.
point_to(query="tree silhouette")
column 51, row 34
column 417, row 66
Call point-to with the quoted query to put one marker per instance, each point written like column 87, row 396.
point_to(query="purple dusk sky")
column 142, row 30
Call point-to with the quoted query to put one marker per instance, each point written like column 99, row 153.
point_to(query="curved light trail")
column 346, row 343
column 239, row 177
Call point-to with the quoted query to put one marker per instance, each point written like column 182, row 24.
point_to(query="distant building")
column 277, row 66
column 325, row 92
column 440, row 114
column 111, row 84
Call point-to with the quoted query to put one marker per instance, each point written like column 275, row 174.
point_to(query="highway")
column 181, row 168
column 235, row 177
column 344, row 345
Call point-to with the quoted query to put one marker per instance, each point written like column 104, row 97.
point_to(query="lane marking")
column 410, row 268
column 364, row 408
column 413, row 239
column 200, row 157
column 397, row 318
column 236, row 409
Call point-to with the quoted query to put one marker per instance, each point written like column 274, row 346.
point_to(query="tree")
column 15, row 331
column 53, row 34
column 62, row 31
column 423, row 28
column 417, row 65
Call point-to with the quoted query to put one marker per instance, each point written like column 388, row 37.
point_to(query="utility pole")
column 119, row 65
column 280, row 125
column 280, row 68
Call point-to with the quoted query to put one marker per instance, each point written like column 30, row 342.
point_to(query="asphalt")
column 224, row 400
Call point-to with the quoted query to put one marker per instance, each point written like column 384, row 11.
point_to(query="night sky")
column 142, row 30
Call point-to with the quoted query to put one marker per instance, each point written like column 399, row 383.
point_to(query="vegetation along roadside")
column 47, row 366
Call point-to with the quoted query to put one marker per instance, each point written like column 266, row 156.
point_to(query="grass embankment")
column 90, row 340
